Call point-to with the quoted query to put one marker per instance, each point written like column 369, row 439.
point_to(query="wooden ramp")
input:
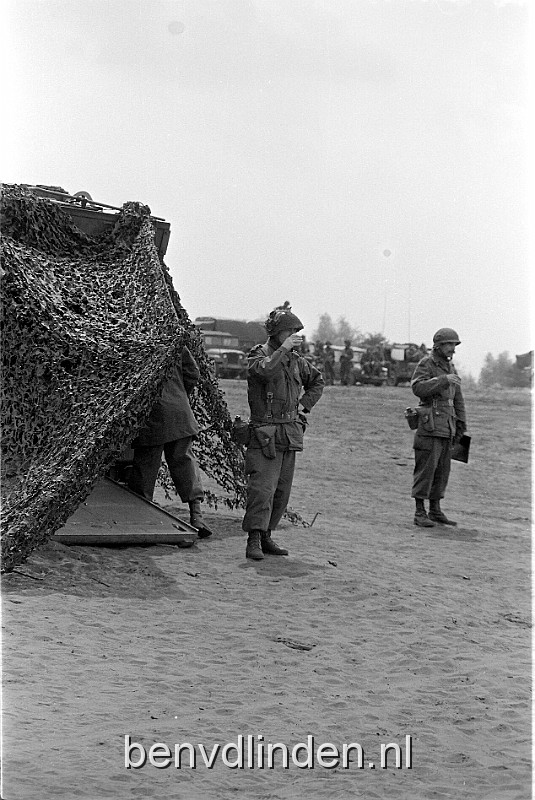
column 112, row 514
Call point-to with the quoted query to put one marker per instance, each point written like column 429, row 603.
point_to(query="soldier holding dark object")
column 441, row 423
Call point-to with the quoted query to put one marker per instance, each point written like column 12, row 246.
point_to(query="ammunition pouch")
column 425, row 418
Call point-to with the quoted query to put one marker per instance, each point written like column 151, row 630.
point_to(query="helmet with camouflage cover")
column 282, row 319
column 444, row 335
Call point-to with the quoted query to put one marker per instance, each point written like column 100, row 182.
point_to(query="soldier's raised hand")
column 452, row 378
column 294, row 340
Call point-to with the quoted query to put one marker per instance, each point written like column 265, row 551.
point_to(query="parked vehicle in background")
column 369, row 366
column 248, row 334
column 402, row 362
column 223, row 349
column 524, row 369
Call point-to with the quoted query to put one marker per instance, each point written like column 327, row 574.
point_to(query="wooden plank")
column 112, row 514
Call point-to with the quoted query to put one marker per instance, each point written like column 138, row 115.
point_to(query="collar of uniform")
column 441, row 362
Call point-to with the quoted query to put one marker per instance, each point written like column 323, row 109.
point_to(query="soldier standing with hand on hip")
column 276, row 376
column 441, row 422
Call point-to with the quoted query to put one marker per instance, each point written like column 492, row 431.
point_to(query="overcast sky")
column 361, row 158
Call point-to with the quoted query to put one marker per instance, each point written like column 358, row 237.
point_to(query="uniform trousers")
column 269, row 483
column 345, row 373
column 182, row 468
column 432, row 463
column 329, row 373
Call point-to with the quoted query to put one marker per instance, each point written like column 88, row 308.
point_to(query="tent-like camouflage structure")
column 90, row 327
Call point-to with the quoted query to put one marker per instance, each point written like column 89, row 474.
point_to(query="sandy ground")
column 372, row 630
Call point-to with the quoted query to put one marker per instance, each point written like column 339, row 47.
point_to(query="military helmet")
column 327, row 343
column 444, row 335
column 282, row 319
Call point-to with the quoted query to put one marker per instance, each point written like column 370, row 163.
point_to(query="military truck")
column 247, row 333
column 224, row 350
column 402, row 361
column 227, row 342
column 94, row 218
column 370, row 366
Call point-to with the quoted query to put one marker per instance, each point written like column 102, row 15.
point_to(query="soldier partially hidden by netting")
column 91, row 329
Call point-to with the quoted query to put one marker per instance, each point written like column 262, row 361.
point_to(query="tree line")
column 338, row 332
column 496, row 371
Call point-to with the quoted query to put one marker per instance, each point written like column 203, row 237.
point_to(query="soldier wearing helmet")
column 441, row 422
column 328, row 364
column 346, row 363
column 276, row 376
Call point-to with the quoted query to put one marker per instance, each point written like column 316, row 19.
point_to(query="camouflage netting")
column 90, row 329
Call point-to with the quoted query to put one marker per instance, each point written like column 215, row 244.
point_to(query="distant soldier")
column 304, row 348
column 328, row 364
column 366, row 362
column 346, row 363
column 436, row 383
column 318, row 355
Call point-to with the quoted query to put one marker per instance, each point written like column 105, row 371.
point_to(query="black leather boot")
column 437, row 515
column 196, row 519
column 420, row 517
column 271, row 547
column 254, row 547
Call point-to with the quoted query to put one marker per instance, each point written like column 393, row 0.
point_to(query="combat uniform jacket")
column 275, row 380
column 171, row 416
column 329, row 356
column 441, row 402
column 346, row 354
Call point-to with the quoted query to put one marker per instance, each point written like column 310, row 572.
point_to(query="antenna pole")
column 409, row 314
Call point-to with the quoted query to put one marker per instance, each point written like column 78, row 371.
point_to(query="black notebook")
column 461, row 449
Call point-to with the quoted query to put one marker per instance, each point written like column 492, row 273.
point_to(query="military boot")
column 196, row 519
column 271, row 547
column 420, row 517
column 437, row 515
column 254, row 546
